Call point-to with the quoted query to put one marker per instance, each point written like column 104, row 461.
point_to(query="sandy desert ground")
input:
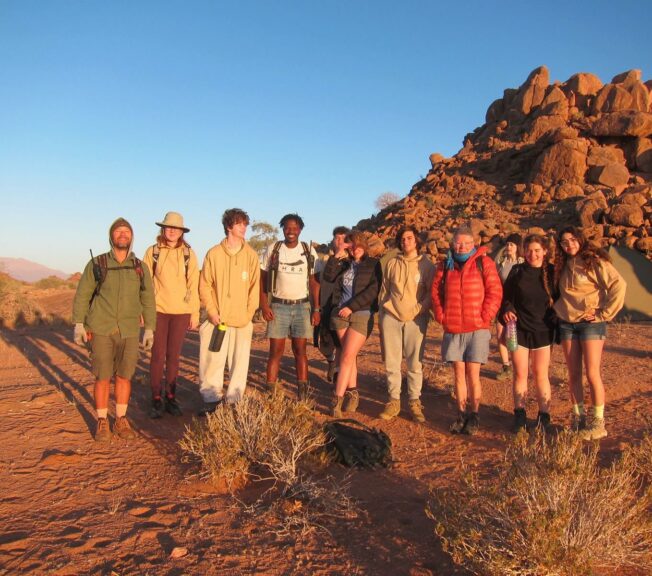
column 70, row 506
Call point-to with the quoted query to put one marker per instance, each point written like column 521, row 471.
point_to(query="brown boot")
column 417, row 411
column 351, row 400
column 337, row 406
column 123, row 429
column 392, row 409
column 103, row 430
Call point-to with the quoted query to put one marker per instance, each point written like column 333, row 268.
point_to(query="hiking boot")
column 416, row 410
column 337, row 406
column 506, row 373
column 302, row 391
column 520, row 420
column 103, row 430
column 123, row 429
column 543, row 421
column 472, row 424
column 156, row 411
column 578, row 422
column 595, row 430
column 330, row 373
column 172, row 407
column 209, row 408
column 392, row 409
column 351, row 400
column 457, row 426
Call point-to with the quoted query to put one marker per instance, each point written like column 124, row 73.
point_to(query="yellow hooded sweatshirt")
column 175, row 295
column 405, row 291
column 583, row 289
column 228, row 284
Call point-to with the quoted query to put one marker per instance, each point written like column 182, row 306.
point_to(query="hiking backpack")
column 101, row 268
column 272, row 266
column 354, row 444
column 156, row 252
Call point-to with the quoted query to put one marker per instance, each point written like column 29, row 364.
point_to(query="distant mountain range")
column 28, row 271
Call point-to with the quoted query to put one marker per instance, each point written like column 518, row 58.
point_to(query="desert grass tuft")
column 549, row 509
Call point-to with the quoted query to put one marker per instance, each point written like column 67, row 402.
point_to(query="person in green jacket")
column 114, row 293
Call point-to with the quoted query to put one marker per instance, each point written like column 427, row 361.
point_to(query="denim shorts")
column 290, row 320
column 466, row 347
column 113, row 355
column 361, row 321
column 582, row 330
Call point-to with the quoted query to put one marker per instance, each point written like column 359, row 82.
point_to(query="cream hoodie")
column 228, row 284
column 405, row 291
column 583, row 290
column 173, row 294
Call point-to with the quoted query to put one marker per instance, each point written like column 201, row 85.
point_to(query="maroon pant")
column 168, row 339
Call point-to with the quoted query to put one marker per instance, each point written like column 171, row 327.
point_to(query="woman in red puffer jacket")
column 466, row 295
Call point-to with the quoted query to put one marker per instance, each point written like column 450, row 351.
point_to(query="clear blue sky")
column 133, row 108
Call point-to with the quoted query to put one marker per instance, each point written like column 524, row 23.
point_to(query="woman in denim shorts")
column 591, row 293
column 527, row 300
column 356, row 277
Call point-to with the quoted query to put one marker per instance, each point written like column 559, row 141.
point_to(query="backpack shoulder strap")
column 186, row 258
column 156, row 252
column 309, row 259
column 100, row 267
column 138, row 268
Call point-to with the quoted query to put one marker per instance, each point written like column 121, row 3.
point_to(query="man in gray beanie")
column 113, row 294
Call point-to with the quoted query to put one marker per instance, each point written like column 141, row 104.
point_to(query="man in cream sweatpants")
column 228, row 289
column 404, row 303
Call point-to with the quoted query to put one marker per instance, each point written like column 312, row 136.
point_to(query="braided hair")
column 545, row 274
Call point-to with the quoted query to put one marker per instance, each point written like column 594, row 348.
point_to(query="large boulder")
column 603, row 155
column 611, row 98
column 625, row 123
column 627, row 215
column 643, row 153
column 640, row 97
column 583, row 83
column 533, row 91
column 627, row 78
column 590, row 209
column 615, row 176
column 563, row 162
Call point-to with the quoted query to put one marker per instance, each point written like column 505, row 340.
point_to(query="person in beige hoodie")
column 591, row 293
column 229, row 290
column 175, row 274
column 405, row 304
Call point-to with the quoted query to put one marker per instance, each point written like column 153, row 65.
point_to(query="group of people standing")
column 299, row 294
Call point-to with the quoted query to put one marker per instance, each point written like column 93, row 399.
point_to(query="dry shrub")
column 264, row 436
column 548, row 509
column 270, row 437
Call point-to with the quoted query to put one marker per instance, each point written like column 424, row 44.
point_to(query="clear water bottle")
column 511, row 341
column 217, row 338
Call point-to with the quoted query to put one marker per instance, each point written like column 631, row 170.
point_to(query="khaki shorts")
column 114, row 355
column 361, row 321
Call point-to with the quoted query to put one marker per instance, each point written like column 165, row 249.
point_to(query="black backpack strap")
column 272, row 267
column 186, row 258
column 156, row 252
column 138, row 268
column 100, row 268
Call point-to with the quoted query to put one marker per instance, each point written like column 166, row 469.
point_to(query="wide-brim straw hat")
column 173, row 220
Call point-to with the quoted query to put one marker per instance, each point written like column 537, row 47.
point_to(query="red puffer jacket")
column 466, row 299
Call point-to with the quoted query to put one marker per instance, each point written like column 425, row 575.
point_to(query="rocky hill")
column 575, row 152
